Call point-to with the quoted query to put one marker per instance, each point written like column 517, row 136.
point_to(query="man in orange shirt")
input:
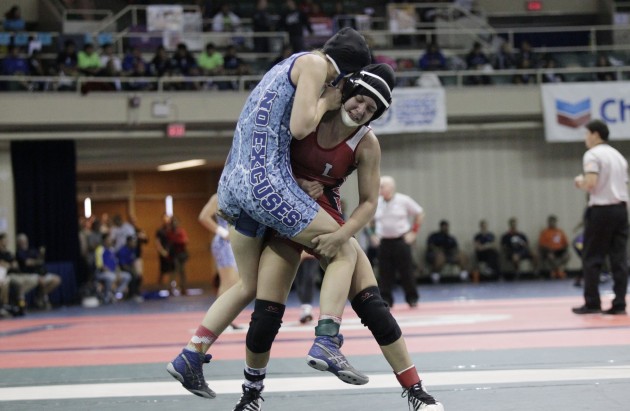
column 554, row 248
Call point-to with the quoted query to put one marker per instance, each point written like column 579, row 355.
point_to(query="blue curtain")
column 44, row 174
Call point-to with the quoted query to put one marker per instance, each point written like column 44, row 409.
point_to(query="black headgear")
column 348, row 51
column 376, row 81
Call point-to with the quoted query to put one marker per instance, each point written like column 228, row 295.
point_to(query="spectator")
column 516, row 247
column 553, row 247
column 294, row 22
column 210, row 61
column 524, row 78
column 141, row 240
column 161, row 64
column 183, row 61
column 140, row 71
column 14, row 64
column 226, row 20
column 486, row 252
column 233, row 65
column 185, row 64
column 94, row 239
column 178, row 238
column 130, row 62
column 526, row 53
column 432, row 59
column 549, row 74
column 120, row 231
column 398, row 219
column 36, row 65
column 6, row 310
column 126, row 260
column 23, row 282
column 164, row 246
column 602, row 62
column 109, row 58
column 443, row 250
column 89, row 62
column 477, row 60
column 261, row 22
column 304, row 285
column 115, row 281
column 31, row 260
column 504, row 59
column 13, row 20
column 67, row 66
column 341, row 18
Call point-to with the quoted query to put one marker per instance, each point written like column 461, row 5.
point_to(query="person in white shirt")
column 398, row 219
column 605, row 179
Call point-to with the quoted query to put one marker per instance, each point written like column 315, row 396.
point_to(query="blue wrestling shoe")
column 187, row 369
column 324, row 355
column 420, row 400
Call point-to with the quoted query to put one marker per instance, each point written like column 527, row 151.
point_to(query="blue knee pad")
column 375, row 315
column 264, row 326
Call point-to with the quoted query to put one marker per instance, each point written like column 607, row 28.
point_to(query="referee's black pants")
column 605, row 234
column 394, row 256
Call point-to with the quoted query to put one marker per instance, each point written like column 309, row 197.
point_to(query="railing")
column 451, row 78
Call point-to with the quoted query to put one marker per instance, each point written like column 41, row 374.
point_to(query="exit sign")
column 534, row 5
column 176, row 130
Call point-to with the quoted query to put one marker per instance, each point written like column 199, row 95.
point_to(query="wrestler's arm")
column 310, row 104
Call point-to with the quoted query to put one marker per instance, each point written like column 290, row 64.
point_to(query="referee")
column 605, row 179
column 398, row 219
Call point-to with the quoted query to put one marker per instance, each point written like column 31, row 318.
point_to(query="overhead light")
column 168, row 203
column 181, row 164
column 87, row 207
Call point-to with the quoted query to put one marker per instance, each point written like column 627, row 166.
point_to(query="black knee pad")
column 375, row 315
column 264, row 326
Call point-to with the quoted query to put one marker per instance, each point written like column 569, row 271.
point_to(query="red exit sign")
column 534, row 5
column 176, row 130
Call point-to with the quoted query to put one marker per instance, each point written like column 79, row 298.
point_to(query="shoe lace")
column 197, row 374
column 336, row 356
column 416, row 397
column 249, row 395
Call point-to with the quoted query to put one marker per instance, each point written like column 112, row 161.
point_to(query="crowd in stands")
column 24, row 277
column 137, row 68
column 509, row 256
column 111, row 256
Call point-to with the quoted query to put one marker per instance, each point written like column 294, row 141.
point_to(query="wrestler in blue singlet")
column 257, row 189
column 257, row 177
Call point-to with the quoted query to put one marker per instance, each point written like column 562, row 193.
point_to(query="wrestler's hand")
column 331, row 97
column 410, row 237
column 328, row 245
column 314, row 189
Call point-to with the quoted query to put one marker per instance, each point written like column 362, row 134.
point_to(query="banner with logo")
column 568, row 107
column 414, row 110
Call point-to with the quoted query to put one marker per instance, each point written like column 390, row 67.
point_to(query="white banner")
column 414, row 110
column 568, row 107
column 162, row 17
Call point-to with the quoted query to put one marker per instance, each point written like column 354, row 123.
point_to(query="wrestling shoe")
column 251, row 400
column 324, row 355
column 420, row 400
column 307, row 315
column 187, row 369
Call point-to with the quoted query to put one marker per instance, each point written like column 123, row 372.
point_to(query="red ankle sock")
column 408, row 377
